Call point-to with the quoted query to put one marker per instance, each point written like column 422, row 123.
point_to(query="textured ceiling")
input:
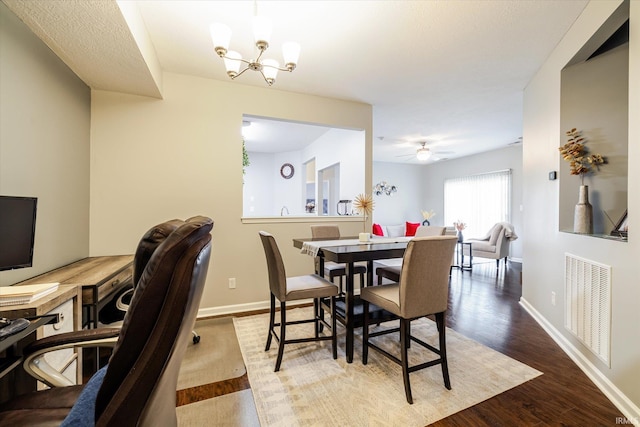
column 448, row 72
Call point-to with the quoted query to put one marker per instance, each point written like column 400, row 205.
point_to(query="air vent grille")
column 588, row 304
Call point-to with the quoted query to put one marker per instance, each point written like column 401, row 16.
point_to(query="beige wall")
column 44, row 145
column 153, row 160
column 544, row 247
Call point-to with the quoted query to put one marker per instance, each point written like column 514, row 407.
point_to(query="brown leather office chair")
column 423, row 290
column 286, row 289
column 139, row 382
column 392, row 272
column 332, row 269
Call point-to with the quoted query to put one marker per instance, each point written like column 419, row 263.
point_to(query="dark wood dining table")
column 349, row 254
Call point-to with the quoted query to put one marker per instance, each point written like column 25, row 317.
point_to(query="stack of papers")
column 25, row 294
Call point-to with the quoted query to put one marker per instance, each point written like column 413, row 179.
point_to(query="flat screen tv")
column 17, row 231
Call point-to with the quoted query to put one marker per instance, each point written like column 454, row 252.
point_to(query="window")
column 478, row 200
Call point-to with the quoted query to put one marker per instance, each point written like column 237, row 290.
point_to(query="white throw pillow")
column 395, row 230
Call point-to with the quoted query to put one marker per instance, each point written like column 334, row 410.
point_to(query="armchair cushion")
column 83, row 412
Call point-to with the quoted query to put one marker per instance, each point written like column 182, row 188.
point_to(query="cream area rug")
column 313, row 389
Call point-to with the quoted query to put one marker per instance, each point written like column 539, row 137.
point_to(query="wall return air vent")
column 588, row 304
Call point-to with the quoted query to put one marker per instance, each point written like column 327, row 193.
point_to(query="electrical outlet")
column 232, row 283
column 553, row 298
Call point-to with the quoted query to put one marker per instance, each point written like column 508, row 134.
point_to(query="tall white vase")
column 583, row 213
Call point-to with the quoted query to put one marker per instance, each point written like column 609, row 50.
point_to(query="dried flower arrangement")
column 575, row 152
column 363, row 204
column 428, row 215
column 459, row 225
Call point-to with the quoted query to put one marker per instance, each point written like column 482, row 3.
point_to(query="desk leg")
column 349, row 301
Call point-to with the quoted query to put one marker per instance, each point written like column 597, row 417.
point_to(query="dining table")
column 348, row 251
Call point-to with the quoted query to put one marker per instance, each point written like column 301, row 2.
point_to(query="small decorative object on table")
column 427, row 216
column 363, row 204
column 581, row 163
column 459, row 225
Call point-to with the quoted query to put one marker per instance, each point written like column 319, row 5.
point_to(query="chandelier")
column 221, row 35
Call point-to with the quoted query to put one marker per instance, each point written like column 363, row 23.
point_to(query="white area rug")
column 313, row 389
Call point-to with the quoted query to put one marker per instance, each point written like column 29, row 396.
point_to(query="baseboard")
column 630, row 410
column 518, row 260
column 243, row 308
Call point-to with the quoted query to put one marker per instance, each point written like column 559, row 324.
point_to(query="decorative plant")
column 575, row 152
column 363, row 204
column 245, row 157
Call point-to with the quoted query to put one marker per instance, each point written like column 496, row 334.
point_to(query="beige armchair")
column 494, row 245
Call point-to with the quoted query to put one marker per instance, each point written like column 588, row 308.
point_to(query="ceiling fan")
column 424, row 153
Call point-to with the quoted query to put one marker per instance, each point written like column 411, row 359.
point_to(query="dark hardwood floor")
column 485, row 306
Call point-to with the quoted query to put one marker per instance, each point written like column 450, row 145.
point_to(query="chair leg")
column 498, row 263
column 316, row 316
column 283, row 324
column 334, row 333
column 405, row 358
column 272, row 313
column 443, row 349
column 365, row 332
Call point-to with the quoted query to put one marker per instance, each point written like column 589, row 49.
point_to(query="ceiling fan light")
column 423, row 154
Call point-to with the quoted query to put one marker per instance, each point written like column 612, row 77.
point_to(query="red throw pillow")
column 377, row 230
column 411, row 228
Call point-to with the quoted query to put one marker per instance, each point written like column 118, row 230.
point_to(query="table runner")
column 312, row 247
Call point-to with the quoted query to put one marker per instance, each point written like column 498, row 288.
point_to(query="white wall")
column 421, row 187
column 406, row 203
column 153, row 160
column 44, row 145
column 544, row 247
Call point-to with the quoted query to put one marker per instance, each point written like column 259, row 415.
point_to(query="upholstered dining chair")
column 392, row 272
column 423, row 289
column 138, row 385
column 285, row 289
column 332, row 269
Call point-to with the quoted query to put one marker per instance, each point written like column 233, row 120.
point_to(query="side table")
column 460, row 256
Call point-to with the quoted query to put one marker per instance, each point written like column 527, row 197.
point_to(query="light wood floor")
column 484, row 306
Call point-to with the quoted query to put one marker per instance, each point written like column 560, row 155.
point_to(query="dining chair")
column 294, row 288
column 392, row 272
column 332, row 269
column 423, row 289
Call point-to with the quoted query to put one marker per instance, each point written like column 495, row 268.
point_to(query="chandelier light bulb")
column 232, row 61
column 221, row 36
column 270, row 70
column 262, row 28
column 291, row 53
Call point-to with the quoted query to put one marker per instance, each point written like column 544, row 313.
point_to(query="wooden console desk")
column 88, row 283
column 99, row 277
